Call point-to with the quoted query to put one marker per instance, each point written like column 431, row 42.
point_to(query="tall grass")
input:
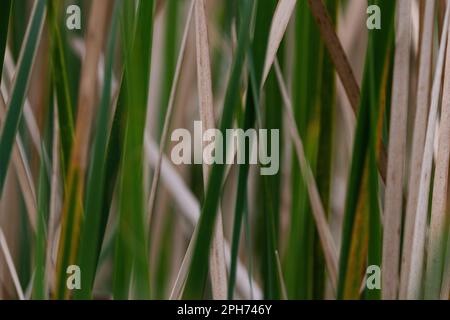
column 357, row 210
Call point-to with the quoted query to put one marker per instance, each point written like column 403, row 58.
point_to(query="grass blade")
column 305, row 96
column 4, row 24
column 336, row 51
column 94, row 225
column 420, row 128
column 72, row 208
column 190, row 209
column 217, row 260
column 437, row 238
column 23, row 172
column 59, row 72
column 280, row 21
column 39, row 286
column 319, row 215
column 362, row 183
column 198, row 268
column 132, row 255
column 261, row 93
column 397, row 153
column 414, row 262
column 154, row 188
column 10, row 264
column 20, row 87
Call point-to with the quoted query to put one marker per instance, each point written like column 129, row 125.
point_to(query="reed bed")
column 93, row 204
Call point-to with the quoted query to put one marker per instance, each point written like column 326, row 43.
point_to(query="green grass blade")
column 19, row 15
column 4, row 24
column 302, row 243
column 39, row 288
column 40, row 279
column 263, row 18
column 241, row 201
column 131, row 248
column 59, row 72
column 170, row 45
column 92, row 231
column 20, row 88
column 358, row 211
column 198, row 271
column 170, row 57
column 270, row 119
column 326, row 147
column 72, row 210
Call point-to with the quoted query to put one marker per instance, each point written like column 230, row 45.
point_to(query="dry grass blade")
column 20, row 86
column 420, row 127
column 217, row 259
column 177, row 290
column 318, row 211
column 280, row 21
column 55, row 203
column 414, row 263
column 154, row 188
column 10, row 264
column 397, row 153
column 72, row 208
column 336, row 51
column 284, row 294
column 437, row 232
